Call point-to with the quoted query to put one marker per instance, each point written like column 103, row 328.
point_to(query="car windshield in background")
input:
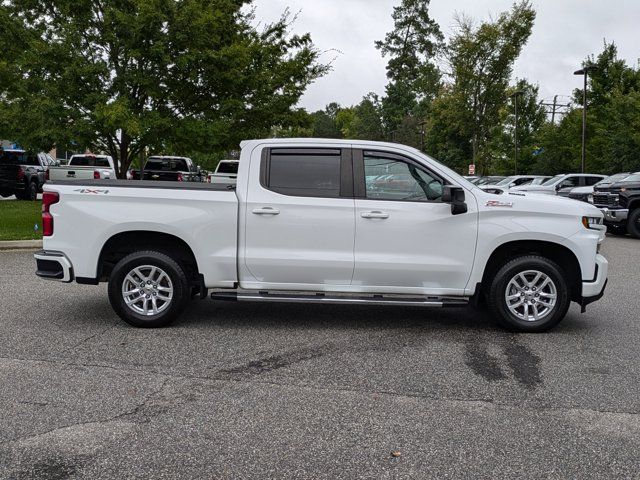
column 506, row 181
column 618, row 177
column 537, row 181
column 228, row 167
column 167, row 164
column 89, row 161
column 552, row 180
column 635, row 177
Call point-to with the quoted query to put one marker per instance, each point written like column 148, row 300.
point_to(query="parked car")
column 561, row 184
column 584, row 193
column 491, row 180
column 226, row 172
column 620, row 205
column 23, row 174
column 85, row 166
column 513, row 181
column 169, row 168
column 303, row 226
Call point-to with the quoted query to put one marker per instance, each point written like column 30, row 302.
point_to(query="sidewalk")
column 20, row 245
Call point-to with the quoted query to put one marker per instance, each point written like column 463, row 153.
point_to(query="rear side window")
column 591, row 181
column 12, row 158
column 307, row 173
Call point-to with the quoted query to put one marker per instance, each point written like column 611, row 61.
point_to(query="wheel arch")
column 122, row 244
column 555, row 252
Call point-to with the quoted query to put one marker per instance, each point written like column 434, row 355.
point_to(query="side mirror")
column 454, row 196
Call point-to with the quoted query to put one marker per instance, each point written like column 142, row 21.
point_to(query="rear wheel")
column 529, row 294
column 30, row 192
column 148, row 289
column 633, row 223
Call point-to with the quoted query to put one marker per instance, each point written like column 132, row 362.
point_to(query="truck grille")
column 605, row 199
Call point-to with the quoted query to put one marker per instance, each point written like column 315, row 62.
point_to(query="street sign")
column 472, row 169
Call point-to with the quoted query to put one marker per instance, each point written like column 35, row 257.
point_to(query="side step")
column 339, row 299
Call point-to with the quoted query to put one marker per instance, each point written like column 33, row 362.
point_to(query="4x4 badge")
column 498, row 203
column 93, row 191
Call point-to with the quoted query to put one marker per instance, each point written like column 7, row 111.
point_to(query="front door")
column 407, row 239
column 300, row 220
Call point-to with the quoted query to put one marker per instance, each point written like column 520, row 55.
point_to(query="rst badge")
column 498, row 203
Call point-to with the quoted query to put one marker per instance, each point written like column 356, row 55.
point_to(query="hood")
column 533, row 188
column 543, row 204
column 582, row 190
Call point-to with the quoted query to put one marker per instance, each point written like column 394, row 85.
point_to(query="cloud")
column 566, row 31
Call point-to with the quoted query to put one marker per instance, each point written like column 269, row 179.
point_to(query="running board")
column 339, row 299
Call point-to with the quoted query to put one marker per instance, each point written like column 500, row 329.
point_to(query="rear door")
column 299, row 229
column 407, row 239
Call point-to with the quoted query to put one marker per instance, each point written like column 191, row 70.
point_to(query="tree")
column 127, row 76
column 481, row 62
column 414, row 78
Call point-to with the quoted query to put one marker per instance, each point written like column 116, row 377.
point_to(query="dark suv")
column 22, row 173
column 620, row 205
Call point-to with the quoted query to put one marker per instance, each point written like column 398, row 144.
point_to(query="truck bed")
column 147, row 184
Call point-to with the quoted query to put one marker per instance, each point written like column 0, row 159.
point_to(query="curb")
column 20, row 245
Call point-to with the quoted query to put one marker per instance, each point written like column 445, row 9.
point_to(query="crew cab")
column 326, row 221
column 168, row 169
column 84, row 167
column 23, row 173
column 620, row 204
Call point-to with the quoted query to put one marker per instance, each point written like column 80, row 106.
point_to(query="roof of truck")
column 322, row 141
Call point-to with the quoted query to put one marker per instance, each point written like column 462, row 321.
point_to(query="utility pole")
column 515, row 96
column 585, row 72
column 553, row 114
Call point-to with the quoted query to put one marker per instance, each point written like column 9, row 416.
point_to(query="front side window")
column 393, row 179
column 569, row 182
column 312, row 174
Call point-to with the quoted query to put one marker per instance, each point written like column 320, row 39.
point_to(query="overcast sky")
column 565, row 32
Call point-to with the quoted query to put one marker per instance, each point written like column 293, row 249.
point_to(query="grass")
column 17, row 220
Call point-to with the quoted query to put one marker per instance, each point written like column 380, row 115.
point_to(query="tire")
column 29, row 193
column 551, row 310
column 633, row 223
column 5, row 194
column 169, row 281
column 617, row 229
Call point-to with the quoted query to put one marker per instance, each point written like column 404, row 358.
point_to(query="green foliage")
column 124, row 76
column 19, row 219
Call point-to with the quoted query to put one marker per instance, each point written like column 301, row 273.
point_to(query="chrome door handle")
column 266, row 211
column 374, row 214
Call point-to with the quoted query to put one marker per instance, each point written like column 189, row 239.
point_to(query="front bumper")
column 615, row 216
column 596, row 287
column 52, row 265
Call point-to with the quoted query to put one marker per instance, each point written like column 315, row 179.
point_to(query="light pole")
column 515, row 96
column 585, row 72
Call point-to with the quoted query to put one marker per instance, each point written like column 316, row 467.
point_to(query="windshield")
column 552, row 180
column 227, row 167
column 167, row 164
column 506, row 181
column 618, row 177
column 634, row 177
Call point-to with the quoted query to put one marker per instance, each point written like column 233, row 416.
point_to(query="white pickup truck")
column 84, row 166
column 325, row 221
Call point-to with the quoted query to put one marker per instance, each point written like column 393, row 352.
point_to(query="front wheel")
column 529, row 294
column 633, row 223
column 148, row 289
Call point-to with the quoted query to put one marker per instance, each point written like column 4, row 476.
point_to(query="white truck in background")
column 85, row 166
column 226, row 172
column 328, row 221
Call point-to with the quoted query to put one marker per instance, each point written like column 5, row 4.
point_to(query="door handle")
column 266, row 211
column 374, row 214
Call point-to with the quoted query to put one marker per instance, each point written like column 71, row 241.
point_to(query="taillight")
column 96, row 175
column 48, row 199
column 180, row 179
column 20, row 173
column 46, row 175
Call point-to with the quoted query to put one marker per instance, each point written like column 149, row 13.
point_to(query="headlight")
column 592, row 223
column 590, row 198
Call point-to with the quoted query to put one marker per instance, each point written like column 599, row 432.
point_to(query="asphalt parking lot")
column 308, row 391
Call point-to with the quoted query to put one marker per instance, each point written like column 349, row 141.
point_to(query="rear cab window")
column 307, row 172
column 167, row 164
